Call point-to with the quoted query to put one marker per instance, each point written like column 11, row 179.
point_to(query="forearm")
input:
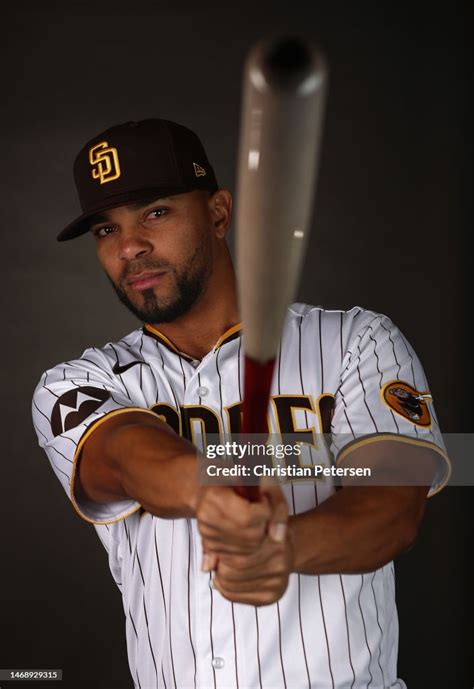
column 133, row 457
column 358, row 529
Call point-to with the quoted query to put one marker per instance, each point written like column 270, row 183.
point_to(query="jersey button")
column 202, row 391
column 218, row 663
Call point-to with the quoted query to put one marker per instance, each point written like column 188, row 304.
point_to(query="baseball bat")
column 283, row 100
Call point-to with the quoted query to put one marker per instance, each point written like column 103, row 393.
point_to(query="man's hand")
column 259, row 578
column 246, row 542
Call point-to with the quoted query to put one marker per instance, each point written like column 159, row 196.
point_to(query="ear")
column 220, row 208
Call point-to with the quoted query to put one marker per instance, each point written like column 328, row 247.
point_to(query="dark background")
column 390, row 234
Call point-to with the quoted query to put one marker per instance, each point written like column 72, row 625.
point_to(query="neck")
column 196, row 332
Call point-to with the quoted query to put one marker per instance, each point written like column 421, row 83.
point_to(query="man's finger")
column 277, row 524
column 209, row 562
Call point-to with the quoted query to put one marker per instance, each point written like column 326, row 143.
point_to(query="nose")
column 133, row 244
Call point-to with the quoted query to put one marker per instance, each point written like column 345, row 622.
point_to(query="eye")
column 156, row 213
column 103, row 231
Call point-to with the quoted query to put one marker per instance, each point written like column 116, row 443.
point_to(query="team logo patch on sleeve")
column 74, row 406
column 408, row 402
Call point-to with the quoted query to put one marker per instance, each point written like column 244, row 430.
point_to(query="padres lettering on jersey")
column 352, row 373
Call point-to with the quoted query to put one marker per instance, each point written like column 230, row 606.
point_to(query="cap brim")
column 81, row 224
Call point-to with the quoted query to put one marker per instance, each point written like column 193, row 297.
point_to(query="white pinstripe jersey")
column 328, row 631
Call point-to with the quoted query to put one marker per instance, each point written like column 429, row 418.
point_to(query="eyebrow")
column 147, row 202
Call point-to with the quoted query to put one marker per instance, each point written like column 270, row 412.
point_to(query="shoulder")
column 97, row 361
column 355, row 318
column 344, row 329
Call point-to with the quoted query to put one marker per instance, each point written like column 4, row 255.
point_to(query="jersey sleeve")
column 383, row 394
column 69, row 404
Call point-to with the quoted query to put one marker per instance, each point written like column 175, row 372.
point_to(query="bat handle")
column 257, row 384
column 250, row 493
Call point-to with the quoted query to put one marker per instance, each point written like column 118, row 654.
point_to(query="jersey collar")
column 231, row 334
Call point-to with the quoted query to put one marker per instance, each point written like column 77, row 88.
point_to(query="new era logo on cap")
column 198, row 170
column 130, row 162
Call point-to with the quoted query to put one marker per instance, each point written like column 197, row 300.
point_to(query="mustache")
column 142, row 265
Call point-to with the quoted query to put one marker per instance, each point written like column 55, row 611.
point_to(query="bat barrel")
column 282, row 109
column 287, row 63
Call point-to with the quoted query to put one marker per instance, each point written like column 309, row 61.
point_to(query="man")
column 294, row 590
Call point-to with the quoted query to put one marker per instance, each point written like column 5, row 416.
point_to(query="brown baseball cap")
column 137, row 161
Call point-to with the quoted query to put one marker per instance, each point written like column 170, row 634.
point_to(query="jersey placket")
column 213, row 614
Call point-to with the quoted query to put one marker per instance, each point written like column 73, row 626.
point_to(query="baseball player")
column 295, row 590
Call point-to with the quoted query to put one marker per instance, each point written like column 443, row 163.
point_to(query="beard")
column 190, row 281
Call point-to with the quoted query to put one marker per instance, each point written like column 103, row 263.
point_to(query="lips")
column 145, row 280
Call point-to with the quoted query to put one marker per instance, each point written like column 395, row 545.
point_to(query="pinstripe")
column 210, row 628
column 63, row 436
column 359, row 337
column 77, row 385
column 189, row 599
column 51, row 392
column 136, row 556
column 149, row 638
column 63, row 456
column 159, row 568
column 365, row 394
column 411, row 361
column 170, row 609
column 136, row 645
column 184, row 375
column 238, row 369
column 163, row 674
column 157, row 395
column 127, row 536
column 393, row 345
column 61, row 471
column 258, row 649
column 376, row 356
column 38, row 430
column 339, row 388
column 378, row 624
column 162, row 588
column 236, row 661
column 346, row 416
column 381, row 375
column 279, row 645
column 347, row 631
column 42, row 413
column 117, row 402
column 325, row 631
column 158, row 345
column 365, row 632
